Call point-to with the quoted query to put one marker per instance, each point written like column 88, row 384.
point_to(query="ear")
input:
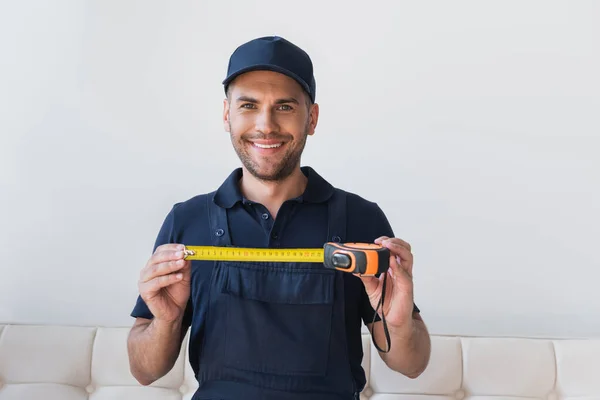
column 226, row 115
column 313, row 118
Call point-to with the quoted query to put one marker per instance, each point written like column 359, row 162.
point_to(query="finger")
column 399, row 250
column 169, row 247
column 160, row 282
column 399, row 268
column 400, row 242
column 186, row 271
column 380, row 239
column 371, row 283
column 166, row 255
column 164, row 268
column 405, row 265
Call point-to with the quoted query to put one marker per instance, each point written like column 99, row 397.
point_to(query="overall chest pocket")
column 277, row 318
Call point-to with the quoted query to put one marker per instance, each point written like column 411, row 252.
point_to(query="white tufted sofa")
column 75, row 363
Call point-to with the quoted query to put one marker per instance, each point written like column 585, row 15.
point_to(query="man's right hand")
column 165, row 282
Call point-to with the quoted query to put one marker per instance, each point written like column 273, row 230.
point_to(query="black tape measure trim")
column 385, row 328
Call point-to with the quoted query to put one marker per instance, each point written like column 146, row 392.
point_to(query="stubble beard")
column 285, row 167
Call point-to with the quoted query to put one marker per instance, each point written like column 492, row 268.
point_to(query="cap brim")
column 268, row 67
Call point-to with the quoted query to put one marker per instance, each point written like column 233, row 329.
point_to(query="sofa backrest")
column 76, row 363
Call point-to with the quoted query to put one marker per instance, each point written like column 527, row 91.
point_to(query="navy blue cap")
column 273, row 53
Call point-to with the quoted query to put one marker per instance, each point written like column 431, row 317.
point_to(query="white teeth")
column 268, row 146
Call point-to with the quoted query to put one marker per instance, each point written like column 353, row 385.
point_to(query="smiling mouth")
column 267, row 146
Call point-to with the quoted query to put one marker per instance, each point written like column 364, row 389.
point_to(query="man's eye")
column 285, row 107
column 247, row 105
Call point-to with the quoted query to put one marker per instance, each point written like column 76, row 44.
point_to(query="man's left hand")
column 398, row 302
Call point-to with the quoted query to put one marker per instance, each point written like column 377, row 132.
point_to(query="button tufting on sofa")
column 90, row 389
column 460, row 394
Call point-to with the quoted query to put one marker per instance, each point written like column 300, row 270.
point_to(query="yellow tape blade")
column 214, row 253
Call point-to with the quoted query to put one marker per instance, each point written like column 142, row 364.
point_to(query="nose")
column 266, row 121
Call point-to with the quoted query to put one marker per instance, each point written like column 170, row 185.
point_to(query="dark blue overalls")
column 276, row 331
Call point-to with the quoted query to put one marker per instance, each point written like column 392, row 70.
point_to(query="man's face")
column 269, row 117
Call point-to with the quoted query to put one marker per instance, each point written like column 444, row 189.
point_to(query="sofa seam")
column 92, row 353
column 555, row 384
column 462, row 366
column 2, row 332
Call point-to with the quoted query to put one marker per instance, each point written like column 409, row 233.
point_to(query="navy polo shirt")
column 300, row 222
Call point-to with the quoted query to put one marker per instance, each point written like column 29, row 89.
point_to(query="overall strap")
column 337, row 217
column 217, row 223
column 337, row 233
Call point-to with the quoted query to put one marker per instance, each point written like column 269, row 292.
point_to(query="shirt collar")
column 317, row 190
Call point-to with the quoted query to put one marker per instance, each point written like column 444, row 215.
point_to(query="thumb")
column 371, row 283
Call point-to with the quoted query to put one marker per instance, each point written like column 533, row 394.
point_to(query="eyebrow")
column 278, row 101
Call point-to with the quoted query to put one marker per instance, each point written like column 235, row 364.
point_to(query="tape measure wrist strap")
column 383, row 321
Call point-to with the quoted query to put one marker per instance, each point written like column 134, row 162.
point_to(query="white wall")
column 477, row 123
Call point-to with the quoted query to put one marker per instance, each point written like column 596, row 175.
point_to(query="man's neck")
column 272, row 194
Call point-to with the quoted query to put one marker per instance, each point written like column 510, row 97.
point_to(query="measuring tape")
column 356, row 258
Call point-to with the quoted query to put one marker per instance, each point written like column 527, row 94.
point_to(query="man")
column 273, row 330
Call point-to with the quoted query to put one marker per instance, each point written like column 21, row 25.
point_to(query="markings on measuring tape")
column 215, row 253
column 358, row 258
column 362, row 258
